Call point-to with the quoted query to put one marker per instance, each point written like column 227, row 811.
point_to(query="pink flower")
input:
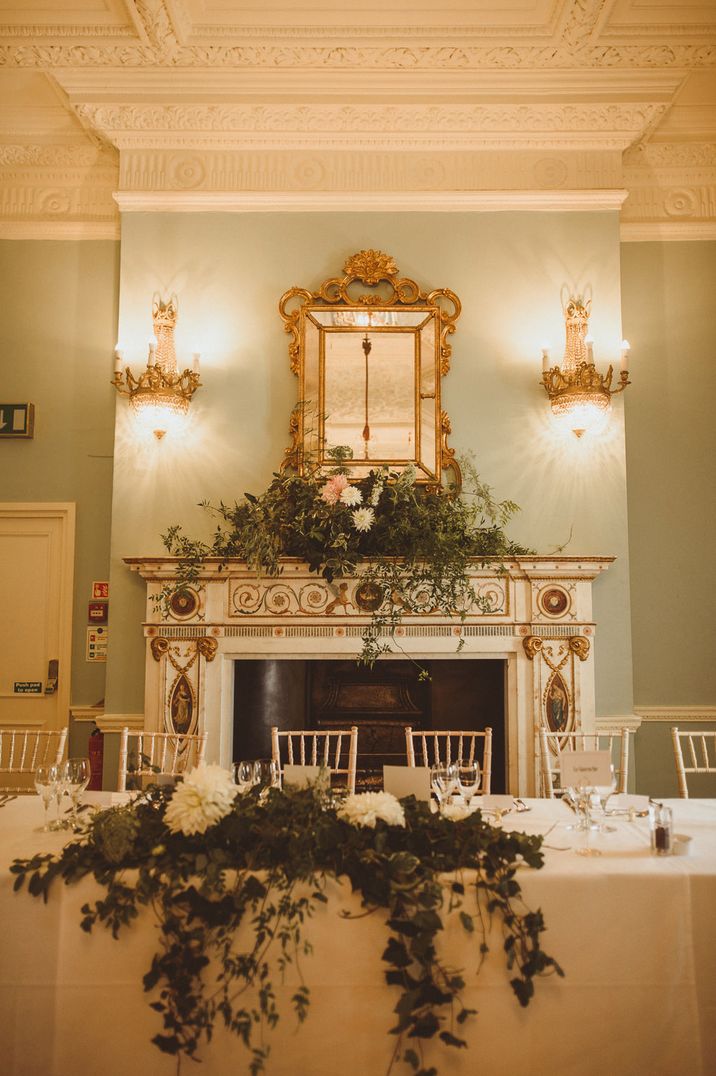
column 333, row 488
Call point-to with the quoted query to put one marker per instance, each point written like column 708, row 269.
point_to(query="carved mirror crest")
column 369, row 350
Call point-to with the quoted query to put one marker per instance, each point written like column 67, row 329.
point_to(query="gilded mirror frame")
column 369, row 349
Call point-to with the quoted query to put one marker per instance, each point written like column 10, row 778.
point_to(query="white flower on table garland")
column 363, row 518
column 351, row 495
column 455, row 812
column 365, row 808
column 375, row 495
column 203, row 798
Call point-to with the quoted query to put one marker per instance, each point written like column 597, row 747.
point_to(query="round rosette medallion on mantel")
column 554, row 601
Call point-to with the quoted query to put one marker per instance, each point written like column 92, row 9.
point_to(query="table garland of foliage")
column 266, row 862
column 415, row 543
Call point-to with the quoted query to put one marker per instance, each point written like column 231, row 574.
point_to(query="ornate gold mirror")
column 369, row 349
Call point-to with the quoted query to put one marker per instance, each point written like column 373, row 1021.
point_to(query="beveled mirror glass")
column 369, row 349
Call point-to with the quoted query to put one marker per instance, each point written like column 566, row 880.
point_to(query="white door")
column 37, row 544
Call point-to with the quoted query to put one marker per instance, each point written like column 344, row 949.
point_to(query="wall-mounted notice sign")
column 97, row 644
column 27, row 687
column 17, row 420
column 100, row 591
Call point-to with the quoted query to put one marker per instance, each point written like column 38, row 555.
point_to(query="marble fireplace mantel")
column 539, row 622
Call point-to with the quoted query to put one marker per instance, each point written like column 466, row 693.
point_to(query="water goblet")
column 265, row 775
column 468, row 777
column 584, row 801
column 604, row 793
column 244, row 775
column 443, row 781
column 76, row 774
column 46, row 783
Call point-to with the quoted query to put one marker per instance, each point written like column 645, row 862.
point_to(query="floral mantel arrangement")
column 206, row 860
column 413, row 543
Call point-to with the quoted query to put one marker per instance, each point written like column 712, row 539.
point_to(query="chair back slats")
column 304, row 747
column 158, row 754
column 700, row 750
column 23, row 750
column 552, row 744
column 433, row 747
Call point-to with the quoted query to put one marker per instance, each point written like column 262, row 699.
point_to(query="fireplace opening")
column 328, row 694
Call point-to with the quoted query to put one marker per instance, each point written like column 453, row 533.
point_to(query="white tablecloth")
column 635, row 934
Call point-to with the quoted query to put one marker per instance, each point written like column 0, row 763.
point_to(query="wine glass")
column 443, row 781
column 46, row 783
column 76, row 774
column 604, row 792
column 584, row 802
column 244, row 775
column 265, row 774
column 468, row 775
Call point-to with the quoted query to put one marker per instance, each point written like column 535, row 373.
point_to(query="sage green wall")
column 508, row 269
column 57, row 331
column 668, row 302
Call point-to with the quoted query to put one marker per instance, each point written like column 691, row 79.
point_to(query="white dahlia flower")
column 201, row 800
column 351, row 495
column 363, row 518
column 455, row 812
column 365, row 808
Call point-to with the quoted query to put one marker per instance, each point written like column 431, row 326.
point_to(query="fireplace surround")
column 539, row 624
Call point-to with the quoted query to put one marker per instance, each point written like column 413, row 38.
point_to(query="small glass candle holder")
column 661, row 825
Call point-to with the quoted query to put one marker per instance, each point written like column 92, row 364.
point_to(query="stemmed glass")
column 443, row 781
column 265, row 775
column 584, row 802
column 605, row 792
column 244, row 775
column 76, row 775
column 468, row 779
column 47, row 779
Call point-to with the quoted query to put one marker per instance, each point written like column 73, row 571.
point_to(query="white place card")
column 494, row 803
column 585, row 768
column 402, row 781
column 301, row 776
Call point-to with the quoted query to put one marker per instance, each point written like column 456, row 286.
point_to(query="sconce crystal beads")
column 161, row 393
column 578, row 393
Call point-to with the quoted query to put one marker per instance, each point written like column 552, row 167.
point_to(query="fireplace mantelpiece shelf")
column 541, row 624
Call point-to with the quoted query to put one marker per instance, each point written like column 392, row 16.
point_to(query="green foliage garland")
column 415, row 544
column 266, row 863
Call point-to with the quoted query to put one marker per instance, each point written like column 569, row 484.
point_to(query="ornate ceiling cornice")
column 420, row 57
column 540, row 104
column 404, row 127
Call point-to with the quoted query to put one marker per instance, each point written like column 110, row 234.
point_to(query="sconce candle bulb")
column 161, row 393
column 195, row 361
column 577, row 392
column 545, row 356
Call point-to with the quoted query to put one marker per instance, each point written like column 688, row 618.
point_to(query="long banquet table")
column 635, row 934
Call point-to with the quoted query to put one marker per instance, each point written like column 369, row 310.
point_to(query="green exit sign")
column 17, row 420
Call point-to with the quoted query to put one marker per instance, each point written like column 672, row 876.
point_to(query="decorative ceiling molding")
column 310, row 170
column 668, row 231
column 360, row 56
column 59, row 229
column 372, row 201
column 603, row 126
column 253, row 104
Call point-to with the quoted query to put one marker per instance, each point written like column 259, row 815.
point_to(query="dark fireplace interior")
column 327, row 694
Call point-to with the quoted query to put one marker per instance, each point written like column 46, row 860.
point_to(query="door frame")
column 66, row 512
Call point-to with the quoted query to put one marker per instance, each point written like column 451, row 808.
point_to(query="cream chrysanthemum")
column 365, row 808
column 455, row 812
column 351, row 495
column 363, row 518
column 202, row 799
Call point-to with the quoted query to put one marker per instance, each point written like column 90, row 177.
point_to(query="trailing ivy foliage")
column 415, row 546
column 263, row 868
